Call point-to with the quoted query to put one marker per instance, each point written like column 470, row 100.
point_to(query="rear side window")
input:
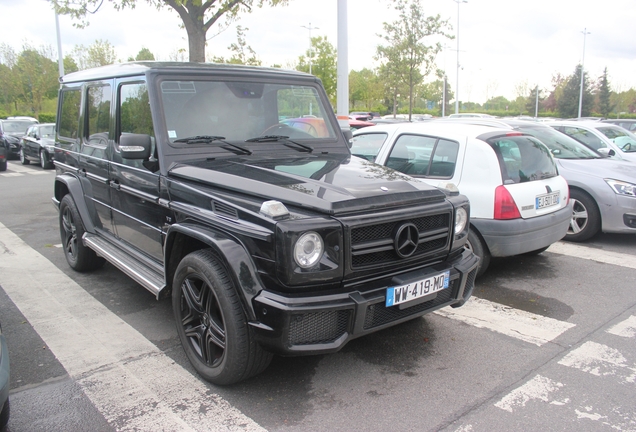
column 69, row 117
column 585, row 137
column 523, row 159
column 98, row 114
column 424, row 156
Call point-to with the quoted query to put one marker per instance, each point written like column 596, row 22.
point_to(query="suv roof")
column 148, row 67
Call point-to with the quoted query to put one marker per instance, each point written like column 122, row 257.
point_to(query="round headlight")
column 308, row 249
column 461, row 217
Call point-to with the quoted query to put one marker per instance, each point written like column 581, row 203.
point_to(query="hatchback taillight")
column 505, row 206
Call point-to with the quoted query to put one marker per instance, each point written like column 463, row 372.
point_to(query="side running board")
column 144, row 273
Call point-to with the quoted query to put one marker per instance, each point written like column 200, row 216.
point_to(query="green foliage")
column 100, row 53
column 321, row 59
column 242, row 52
column 604, row 104
column 406, row 59
column 568, row 103
column 143, row 54
column 46, row 117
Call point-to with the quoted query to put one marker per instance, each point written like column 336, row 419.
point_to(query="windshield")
column 625, row 140
column 47, row 131
column 561, row 146
column 17, row 126
column 243, row 111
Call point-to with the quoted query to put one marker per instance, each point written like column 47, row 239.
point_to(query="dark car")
column 4, row 382
column 38, row 145
column 3, row 158
column 11, row 130
column 268, row 239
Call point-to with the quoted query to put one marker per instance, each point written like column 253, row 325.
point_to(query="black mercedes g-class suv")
column 233, row 189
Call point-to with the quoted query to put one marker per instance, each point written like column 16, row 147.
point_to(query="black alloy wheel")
column 79, row 257
column 211, row 322
column 44, row 160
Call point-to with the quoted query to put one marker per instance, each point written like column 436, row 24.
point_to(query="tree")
column 322, row 56
column 364, row 88
column 100, row 53
column 405, row 51
column 197, row 15
column 243, row 53
column 531, row 101
column 143, row 54
column 38, row 77
column 604, row 104
column 568, row 104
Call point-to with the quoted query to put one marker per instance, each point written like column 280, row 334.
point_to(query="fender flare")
column 74, row 187
column 233, row 254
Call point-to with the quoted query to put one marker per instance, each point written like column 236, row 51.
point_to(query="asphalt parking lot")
column 547, row 343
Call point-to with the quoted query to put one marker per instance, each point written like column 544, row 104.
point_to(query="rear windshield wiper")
column 206, row 139
column 285, row 139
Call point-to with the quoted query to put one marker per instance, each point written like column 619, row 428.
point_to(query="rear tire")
column 477, row 245
column 586, row 217
column 79, row 257
column 211, row 322
column 3, row 165
column 23, row 159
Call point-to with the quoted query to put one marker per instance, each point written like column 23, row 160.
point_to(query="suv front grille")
column 374, row 244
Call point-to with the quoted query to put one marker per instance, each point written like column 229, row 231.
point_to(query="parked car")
column 4, row 383
column 359, row 124
column 519, row 202
column 629, row 124
column 361, row 115
column 470, row 115
column 3, row 158
column 604, row 138
column 38, row 145
column 602, row 189
column 267, row 238
column 11, row 130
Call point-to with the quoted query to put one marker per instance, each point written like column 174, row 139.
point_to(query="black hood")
column 327, row 183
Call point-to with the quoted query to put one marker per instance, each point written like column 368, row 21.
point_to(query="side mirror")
column 556, row 151
column 348, row 136
column 135, row 146
column 607, row 152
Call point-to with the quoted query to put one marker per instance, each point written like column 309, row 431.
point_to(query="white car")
column 605, row 138
column 519, row 202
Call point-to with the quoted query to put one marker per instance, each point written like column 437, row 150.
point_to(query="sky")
column 504, row 45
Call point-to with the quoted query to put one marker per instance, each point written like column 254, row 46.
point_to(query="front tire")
column 475, row 244
column 45, row 163
column 79, row 257
column 211, row 322
column 23, row 159
column 586, row 217
column 3, row 165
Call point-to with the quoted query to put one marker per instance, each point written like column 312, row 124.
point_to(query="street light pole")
column 311, row 54
column 585, row 33
column 457, row 77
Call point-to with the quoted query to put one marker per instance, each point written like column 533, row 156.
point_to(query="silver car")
column 604, row 138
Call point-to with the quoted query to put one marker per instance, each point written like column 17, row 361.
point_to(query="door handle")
column 115, row 185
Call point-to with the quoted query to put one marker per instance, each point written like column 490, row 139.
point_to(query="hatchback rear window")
column 523, row 159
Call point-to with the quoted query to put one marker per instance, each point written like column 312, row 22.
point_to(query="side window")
column 411, row 154
column 134, row 117
column 585, row 137
column 444, row 159
column 70, row 114
column 98, row 117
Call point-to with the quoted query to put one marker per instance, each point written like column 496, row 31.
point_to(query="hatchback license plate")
column 415, row 290
column 547, row 200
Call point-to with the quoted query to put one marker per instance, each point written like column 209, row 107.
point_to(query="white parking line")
column 529, row 327
column 538, row 388
column 600, row 360
column 599, row 255
column 132, row 383
column 625, row 328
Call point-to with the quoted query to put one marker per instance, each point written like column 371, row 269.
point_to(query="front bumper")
column 323, row 324
column 518, row 236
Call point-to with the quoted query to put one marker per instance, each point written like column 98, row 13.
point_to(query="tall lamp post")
column 311, row 54
column 457, row 78
column 585, row 33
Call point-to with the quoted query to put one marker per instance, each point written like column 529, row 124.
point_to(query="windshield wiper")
column 285, row 139
column 206, row 139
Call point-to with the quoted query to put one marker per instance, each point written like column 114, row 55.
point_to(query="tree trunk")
column 196, row 44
